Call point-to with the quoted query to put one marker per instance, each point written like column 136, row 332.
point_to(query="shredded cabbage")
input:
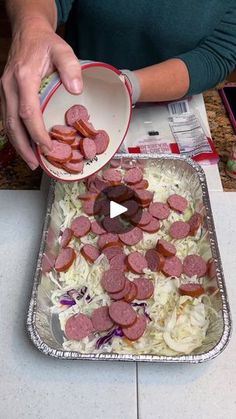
column 179, row 323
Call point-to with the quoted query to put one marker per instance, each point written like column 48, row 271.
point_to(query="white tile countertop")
column 33, row 386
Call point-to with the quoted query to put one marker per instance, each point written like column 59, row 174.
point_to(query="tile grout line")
column 137, row 391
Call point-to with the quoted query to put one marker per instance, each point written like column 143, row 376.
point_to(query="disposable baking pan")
column 44, row 328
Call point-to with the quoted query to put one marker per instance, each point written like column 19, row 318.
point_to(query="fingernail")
column 33, row 166
column 76, row 86
column 45, row 149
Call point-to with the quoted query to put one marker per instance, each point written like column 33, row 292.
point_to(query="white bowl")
column 107, row 97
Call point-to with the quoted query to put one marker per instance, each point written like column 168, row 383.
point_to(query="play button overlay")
column 117, row 209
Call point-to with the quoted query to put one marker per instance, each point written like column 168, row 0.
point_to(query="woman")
column 170, row 49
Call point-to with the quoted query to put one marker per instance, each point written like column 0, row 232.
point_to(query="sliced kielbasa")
column 65, row 259
column 195, row 222
column 122, row 313
column 88, row 148
column 60, row 152
column 165, row 248
column 76, row 113
column 136, row 330
column 120, row 295
column 110, row 252
column 73, row 168
column 113, row 281
column 193, row 290
column 118, row 262
column 113, row 176
column 179, row 230
column 177, row 203
column 66, row 237
column 96, row 228
column 90, row 253
column 76, row 157
column 194, row 265
column 101, row 320
column 153, row 260
column 80, row 226
column 136, row 262
column 78, row 327
column 132, row 237
column 159, row 210
column 101, row 141
column 131, row 293
column 145, row 288
column 172, row 266
column 152, row 227
column 108, row 240
column 85, row 128
column 133, row 176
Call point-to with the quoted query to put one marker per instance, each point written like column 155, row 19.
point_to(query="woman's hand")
column 35, row 52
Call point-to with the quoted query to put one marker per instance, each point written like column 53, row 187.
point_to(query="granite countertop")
column 222, row 133
column 18, row 176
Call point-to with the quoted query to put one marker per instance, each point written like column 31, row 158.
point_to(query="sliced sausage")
column 131, row 293
column 65, row 259
column 101, row 141
column 165, row 248
column 90, row 253
column 159, row 210
column 76, row 113
column 119, row 193
column 90, row 207
column 73, row 168
column 143, row 196
column 193, row 290
column 115, row 163
column 113, row 176
column 145, row 288
column 111, row 252
column 194, row 265
column 76, row 157
column 64, row 130
column 88, row 196
column 195, row 222
column 153, row 260
column 120, row 295
column 137, row 329
column 76, row 143
column 136, row 262
column 101, row 320
column 60, row 152
column 66, row 237
column 96, row 228
column 211, row 268
column 62, row 138
column 132, row 237
column 172, row 266
column 177, row 203
column 108, row 240
column 152, row 227
column 118, row 262
column 141, row 218
column 78, row 327
column 101, row 184
column 113, row 281
column 112, row 225
column 80, row 226
column 133, row 176
column 85, row 128
column 122, row 313
column 132, row 208
column 179, row 230
column 88, row 148
column 141, row 185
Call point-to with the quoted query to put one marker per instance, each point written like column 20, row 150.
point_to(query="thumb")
column 68, row 66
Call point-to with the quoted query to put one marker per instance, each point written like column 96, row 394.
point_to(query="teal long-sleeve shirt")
column 134, row 34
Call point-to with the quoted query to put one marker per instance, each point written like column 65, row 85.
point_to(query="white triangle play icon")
column 116, row 209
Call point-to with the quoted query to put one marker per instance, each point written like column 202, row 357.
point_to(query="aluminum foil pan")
column 44, row 329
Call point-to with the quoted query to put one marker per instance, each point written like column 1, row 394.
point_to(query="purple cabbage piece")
column 67, row 301
column 144, row 307
column 72, row 295
column 107, row 338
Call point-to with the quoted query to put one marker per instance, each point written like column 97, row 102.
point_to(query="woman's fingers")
column 29, row 108
column 69, row 68
column 13, row 125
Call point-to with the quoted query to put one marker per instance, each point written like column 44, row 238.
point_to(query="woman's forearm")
column 21, row 10
column 165, row 81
